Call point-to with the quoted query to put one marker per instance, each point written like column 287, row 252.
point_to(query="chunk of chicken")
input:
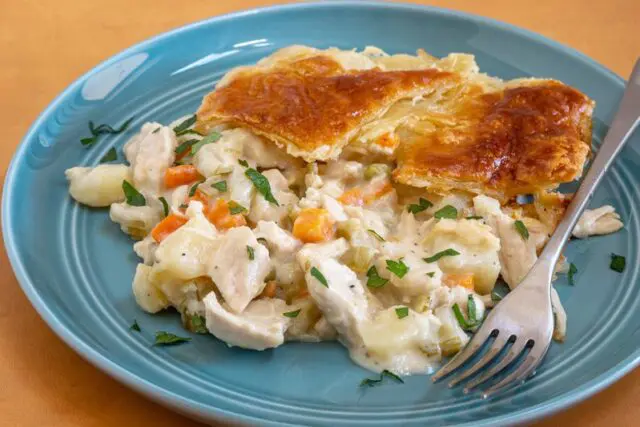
column 221, row 156
column 136, row 221
column 150, row 153
column 263, row 210
column 593, row 222
column 239, row 278
column 260, row 326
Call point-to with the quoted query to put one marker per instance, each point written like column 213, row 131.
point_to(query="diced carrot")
column 167, row 226
column 386, row 141
column 353, row 197
column 220, row 216
column 269, row 290
column 313, row 225
column 378, row 193
column 464, row 279
column 180, row 175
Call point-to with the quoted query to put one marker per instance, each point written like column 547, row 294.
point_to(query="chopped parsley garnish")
column 165, row 206
column 132, row 196
column 209, row 139
column 474, row 217
column 431, row 273
column 376, row 235
column 471, row 309
column 102, row 129
column 423, row 204
column 292, row 314
column 262, row 241
column 370, row 382
column 398, row 268
column 572, row 272
column 167, row 338
column 134, row 326
column 316, row 273
column 157, row 130
column 110, row 156
column 447, row 212
column 198, row 324
column 188, row 132
column 194, row 188
column 402, row 312
column 182, row 148
column 465, row 324
column 262, row 185
column 183, row 206
column 495, row 296
column 618, row 263
column 251, row 253
column 221, row 186
column 373, row 278
column 236, row 208
column 437, row 256
column 522, row 229
column 243, row 163
column 185, row 125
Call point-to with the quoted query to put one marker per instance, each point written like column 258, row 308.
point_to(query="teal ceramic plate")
column 76, row 266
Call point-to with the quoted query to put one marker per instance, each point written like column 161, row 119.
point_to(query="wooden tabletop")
column 45, row 45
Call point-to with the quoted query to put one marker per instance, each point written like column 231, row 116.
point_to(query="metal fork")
column 521, row 325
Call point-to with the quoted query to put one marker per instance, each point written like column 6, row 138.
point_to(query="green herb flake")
column 474, row 217
column 221, row 186
column 236, row 208
column 167, row 338
column 194, row 188
column 471, row 309
column 292, row 314
column 448, row 212
column 134, row 326
column 398, row 268
column 198, row 324
column 165, row 206
column 262, row 241
column 243, row 163
column 467, row 325
column 251, row 253
column 431, row 273
column 402, row 312
column 437, row 256
column 495, row 296
column 185, row 124
column 370, row 382
column 209, row 139
column 132, row 196
column 572, row 272
column 183, row 206
column 262, row 185
column 618, row 263
column 373, row 278
column 316, row 273
column 110, row 156
column 87, row 142
column 182, row 148
column 376, row 235
column 157, row 130
column 423, row 204
column 188, row 132
column 522, row 229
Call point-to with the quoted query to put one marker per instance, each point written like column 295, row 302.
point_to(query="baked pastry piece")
column 314, row 102
column 531, row 135
column 445, row 124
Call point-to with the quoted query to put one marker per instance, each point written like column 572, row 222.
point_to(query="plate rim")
column 185, row 405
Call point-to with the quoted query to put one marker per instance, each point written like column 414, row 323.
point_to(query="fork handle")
column 624, row 123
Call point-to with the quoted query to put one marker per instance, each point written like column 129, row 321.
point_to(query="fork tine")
column 517, row 376
column 513, row 353
column 472, row 347
column 497, row 346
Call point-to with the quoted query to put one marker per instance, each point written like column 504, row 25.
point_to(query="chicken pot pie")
column 362, row 197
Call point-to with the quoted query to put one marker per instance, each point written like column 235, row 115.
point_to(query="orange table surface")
column 45, row 45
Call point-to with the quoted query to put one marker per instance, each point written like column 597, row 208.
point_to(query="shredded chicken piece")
column 594, row 222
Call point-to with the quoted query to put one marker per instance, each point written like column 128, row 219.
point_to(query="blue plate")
column 76, row 266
